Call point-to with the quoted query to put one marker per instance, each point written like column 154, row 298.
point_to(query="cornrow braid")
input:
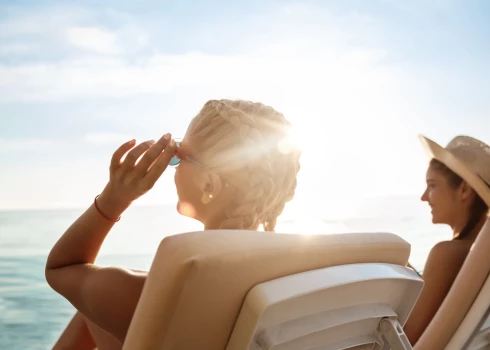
column 246, row 142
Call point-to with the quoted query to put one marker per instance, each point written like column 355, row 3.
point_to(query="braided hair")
column 247, row 144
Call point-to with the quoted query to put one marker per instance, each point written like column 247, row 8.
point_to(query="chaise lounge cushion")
column 198, row 281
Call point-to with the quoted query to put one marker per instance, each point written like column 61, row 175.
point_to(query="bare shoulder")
column 447, row 255
column 449, row 249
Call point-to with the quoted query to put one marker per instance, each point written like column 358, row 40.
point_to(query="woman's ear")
column 466, row 191
column 211, row 188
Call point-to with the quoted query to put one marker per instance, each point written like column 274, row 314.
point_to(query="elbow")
column 48, row 271
column 52, row 276
column 54, row 280
column 49, row 275
column 51, row 271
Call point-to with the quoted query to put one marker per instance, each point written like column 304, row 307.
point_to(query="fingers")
column 152, row 154
column 135, row 153
column 120, row 152
column 160, row 165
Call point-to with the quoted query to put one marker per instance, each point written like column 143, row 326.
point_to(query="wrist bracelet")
column 101, row 213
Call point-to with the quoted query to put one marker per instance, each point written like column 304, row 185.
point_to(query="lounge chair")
column 481, row 339
column 237, row 290
column 461, row 321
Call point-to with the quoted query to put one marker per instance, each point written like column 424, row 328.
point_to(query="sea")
column 32, row 316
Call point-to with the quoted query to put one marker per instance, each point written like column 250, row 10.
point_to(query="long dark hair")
column 477, row 209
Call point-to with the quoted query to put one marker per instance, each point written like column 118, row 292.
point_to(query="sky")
column 359, row 80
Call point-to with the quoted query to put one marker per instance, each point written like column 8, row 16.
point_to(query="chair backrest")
column 474, row 331
column 463, row 293
column 198, row 281
column 339, row 307
column 481, row 341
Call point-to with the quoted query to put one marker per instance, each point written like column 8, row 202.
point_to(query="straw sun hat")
column 467, row 157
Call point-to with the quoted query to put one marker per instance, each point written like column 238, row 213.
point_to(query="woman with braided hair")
column 236, row 169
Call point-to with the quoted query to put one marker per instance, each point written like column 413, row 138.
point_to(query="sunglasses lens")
column 174, row 161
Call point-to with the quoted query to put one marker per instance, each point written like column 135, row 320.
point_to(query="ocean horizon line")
column 172, row 204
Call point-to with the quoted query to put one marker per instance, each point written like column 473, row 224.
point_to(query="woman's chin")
column 186, row 209
column 436, row 220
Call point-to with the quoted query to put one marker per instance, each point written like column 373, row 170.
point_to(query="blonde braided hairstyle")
column 248, row 144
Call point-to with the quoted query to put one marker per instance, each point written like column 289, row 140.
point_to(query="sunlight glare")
column 186, row 209
column 289, row 143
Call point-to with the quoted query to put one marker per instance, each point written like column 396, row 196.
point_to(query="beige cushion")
column 336, row 307
column 198, row 281
column 464, row 291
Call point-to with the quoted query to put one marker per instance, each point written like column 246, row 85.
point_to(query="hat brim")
column 444, row 156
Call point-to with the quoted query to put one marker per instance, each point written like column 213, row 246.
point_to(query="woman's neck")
column 460, row 222
column 212, row 226
column 213, row 223
column 471, row 236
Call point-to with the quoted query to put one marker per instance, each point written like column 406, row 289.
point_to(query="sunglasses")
column 180, row 155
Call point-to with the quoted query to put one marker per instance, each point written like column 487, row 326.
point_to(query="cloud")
column 17, row 48
column 8, row 145
column 38, row 21
column 58, row 33
column 115, row 63
column 94, row 39
column 105, row 138
column 163, row 73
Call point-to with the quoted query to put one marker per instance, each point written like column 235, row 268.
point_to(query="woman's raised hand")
column 128, row 179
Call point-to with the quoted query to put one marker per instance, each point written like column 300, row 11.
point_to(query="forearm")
column 81, row 243
column 82, row 334
column 76, row 335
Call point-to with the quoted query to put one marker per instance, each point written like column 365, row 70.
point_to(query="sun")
column 292, row 141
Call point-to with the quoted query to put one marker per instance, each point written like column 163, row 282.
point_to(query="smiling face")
column 453, row 201
column 442, row 197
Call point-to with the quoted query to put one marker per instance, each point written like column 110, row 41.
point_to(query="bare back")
column 443, row 265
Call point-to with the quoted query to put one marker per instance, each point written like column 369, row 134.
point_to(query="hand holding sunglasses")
column 180, row 154
column 130, row 180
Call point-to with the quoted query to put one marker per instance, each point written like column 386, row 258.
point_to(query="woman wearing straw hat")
column 458, row 192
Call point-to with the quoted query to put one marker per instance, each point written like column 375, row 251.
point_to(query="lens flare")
column 288, row 144
column 285, row 146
